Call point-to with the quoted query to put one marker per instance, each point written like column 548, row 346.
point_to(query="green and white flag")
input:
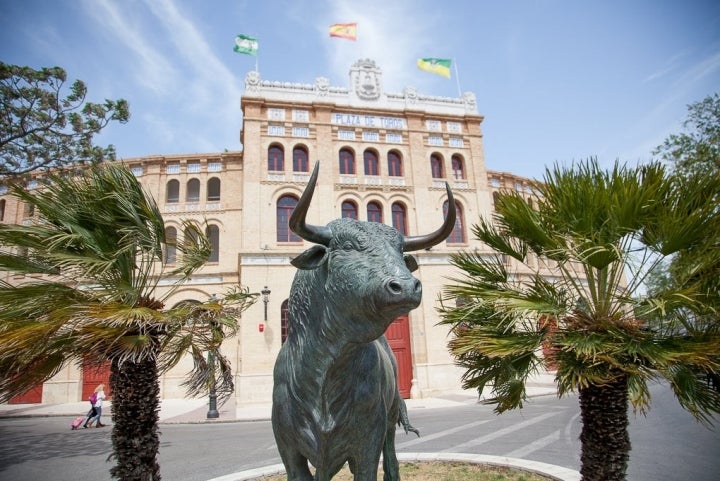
column 246, row 44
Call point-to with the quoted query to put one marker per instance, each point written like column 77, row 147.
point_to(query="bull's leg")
column 366, row 471
column 365, row 463
column 296, row 465
column 391, row 467
column 326, row 473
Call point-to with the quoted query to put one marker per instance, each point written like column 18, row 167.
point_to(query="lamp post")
column 212, row 406
column 265, row 293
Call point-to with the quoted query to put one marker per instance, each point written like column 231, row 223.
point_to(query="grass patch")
column 442, row 471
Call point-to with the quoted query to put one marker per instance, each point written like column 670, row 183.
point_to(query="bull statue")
column 335, row 395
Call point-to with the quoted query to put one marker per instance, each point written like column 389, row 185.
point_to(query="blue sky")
column 556, row 80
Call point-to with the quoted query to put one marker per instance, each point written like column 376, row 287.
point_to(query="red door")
column 31, row 396
column 92, row 376
column 398, row 336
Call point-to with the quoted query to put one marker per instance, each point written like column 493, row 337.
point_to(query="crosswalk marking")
column 439, row 434
column 534, row 446
column 500, row 433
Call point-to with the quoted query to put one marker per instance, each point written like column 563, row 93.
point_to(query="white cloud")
column 152, row 71
column 394, row 34
column 211, row 80
column 670, row 65
column 209, row 90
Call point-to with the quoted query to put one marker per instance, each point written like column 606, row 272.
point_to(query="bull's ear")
column 410, row 262
column 312, row 258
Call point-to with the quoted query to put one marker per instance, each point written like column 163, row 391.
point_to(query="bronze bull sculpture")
column 335, row 396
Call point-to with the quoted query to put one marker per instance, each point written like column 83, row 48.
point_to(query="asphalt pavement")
column 195, row 410
column 188, row 411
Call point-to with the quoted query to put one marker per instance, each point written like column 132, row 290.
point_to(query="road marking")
column 500, row 433
column 535, row 445
column 439, row 434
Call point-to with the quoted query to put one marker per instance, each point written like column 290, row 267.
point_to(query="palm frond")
column 587, row 226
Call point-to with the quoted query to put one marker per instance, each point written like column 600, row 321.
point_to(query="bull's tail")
column 404, row 421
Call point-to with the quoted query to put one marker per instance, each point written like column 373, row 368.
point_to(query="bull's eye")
column 348, row 246
column 410, row 262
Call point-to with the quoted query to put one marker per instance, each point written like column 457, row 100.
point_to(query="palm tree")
column 589, row 227
column 92, row 265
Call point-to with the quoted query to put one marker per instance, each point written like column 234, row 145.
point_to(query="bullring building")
column 384, row 157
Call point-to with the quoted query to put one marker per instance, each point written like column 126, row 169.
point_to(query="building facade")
column 383, row 157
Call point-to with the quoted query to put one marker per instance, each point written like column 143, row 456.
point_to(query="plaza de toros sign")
column 376, row 121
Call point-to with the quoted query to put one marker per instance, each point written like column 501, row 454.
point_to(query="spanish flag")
column 344, row 30
column 440, row 66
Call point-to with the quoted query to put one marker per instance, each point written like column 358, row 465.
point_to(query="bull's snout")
column 409, row 287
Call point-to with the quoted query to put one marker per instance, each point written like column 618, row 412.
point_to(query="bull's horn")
column 312, row 233
column 415, row 243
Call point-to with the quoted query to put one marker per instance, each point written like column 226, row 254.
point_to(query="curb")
column 552, row 471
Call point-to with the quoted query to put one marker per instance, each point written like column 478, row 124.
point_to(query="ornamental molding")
column 366, row 91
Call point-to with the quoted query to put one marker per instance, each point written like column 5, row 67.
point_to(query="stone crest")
column 322, row 86
column 366, row 79
column 252, row 81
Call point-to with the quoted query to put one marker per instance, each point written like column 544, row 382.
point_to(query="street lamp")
column 265, row 293
column 212, row 406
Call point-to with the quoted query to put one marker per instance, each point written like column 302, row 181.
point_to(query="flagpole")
column 457, row 78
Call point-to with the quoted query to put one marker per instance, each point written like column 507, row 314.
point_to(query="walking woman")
column 99, row 396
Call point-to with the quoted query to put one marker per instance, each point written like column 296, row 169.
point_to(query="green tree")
column 588, row 227
column 694, row 154
column 696, row 151
column 93, row 264
column 41, row 129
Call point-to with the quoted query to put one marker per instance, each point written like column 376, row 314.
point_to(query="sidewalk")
column 190, row 411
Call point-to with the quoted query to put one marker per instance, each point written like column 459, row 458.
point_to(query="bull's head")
column 367, row 275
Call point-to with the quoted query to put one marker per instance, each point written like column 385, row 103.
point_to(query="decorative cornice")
column 366, row 92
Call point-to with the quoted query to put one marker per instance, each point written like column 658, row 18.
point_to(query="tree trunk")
column 135, row 408
column 604, row 438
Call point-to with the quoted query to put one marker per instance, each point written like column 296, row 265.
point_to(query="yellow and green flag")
column 440, row 66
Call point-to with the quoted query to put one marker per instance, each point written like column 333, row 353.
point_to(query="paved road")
column 667, row 445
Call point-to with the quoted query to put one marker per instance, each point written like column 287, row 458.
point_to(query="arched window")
column 284, row 321
column 458, row 170
column 370, row 160
column 172, row 192
column 349, row 209
column 2, row 210
column 276, row 157
column 457, row 236
column 347, row 162
column 374, row 212
column 213, row 234
column 394, row 164
column 399, row 217
column 190, row 236
column 28, row 211
column 436, row 166
column 300, row 159
column 170, row 245
column 193, row 191
column 285, row 206
column 213, row 189
column 496, row 196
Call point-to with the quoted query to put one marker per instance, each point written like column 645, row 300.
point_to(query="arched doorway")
column 398, row 337
column 94, row 375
